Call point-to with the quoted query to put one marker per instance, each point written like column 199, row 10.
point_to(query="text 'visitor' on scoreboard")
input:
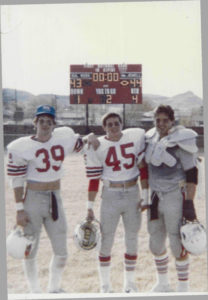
column 106, row 84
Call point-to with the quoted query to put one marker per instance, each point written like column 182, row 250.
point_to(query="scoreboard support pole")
column 87, row 117
column 124, row 125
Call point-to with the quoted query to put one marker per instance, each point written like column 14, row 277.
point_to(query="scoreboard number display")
column 106, row 84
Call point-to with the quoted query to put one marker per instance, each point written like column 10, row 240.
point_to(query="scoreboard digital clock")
column 106, row 84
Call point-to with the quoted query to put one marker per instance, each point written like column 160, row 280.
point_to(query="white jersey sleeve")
column 16, row 163
column 93, row 165
column 67, row 136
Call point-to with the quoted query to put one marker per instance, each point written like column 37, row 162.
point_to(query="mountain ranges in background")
column 183, row 102
column 186, row 104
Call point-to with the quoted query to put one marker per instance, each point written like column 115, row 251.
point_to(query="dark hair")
column 110, row 115
column 165, row 109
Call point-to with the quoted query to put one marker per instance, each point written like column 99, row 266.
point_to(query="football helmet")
column 19, row 245
column 193, row 237
column 87, row 235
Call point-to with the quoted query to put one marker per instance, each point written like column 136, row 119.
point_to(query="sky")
column 39, row 42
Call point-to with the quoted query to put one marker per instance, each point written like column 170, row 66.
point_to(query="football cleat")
column 182, row 288
column 36, row 291
column 19, row 245
column 193, row 237
column 106, row 289
column 131, row 288
column 87, row 235
column 57, row 291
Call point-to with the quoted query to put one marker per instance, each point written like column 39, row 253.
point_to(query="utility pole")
column 124, row 125
column 15, row 97
column 87, row 116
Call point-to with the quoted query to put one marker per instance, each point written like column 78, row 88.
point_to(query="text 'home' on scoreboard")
column 106, row 84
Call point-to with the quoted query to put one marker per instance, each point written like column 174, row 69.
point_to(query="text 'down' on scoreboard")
column 106, row 84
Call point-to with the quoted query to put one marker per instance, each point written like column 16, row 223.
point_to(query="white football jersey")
column 116, row 160
column 30, row 159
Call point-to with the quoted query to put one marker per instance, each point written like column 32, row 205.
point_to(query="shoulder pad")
column 181, row 133
column 185, row 138
column 19, row 144
column 101, row 138
column 63, row 131
column 150, row 133
column 134, row 130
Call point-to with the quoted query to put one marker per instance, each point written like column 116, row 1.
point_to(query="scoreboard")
column 106, row 84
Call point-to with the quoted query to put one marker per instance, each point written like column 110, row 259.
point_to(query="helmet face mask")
column 87, row 235
column 19, row 245
column 193, row 237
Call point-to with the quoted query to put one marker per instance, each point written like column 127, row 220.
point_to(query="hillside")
column 184, row 103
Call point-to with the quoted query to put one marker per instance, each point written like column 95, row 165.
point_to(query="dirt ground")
column 81, row 275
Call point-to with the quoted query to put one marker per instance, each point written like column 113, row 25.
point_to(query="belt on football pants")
column 154, row 206
column 125, row 184
column 43, row 186
column 54, row 207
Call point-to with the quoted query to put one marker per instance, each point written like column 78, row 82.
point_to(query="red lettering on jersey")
column 57, row 153
column 45, row 159
column 128, row 155
column 112, row 159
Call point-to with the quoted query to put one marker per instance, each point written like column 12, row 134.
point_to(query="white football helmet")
column 19, row 245
column 87, row 235
column 193, row 237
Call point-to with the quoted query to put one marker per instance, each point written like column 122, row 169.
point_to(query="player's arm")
column 21, row 215
column 91, row 139
column 189, row 163
column 143, row 168
column 93, row 187
column 75, row 143
column 191, row 184
column 16, row 171
column 94, row 170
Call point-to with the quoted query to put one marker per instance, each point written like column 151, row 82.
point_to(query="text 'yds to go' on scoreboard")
column 106, row 84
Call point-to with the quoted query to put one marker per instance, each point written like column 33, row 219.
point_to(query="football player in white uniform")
column 171, row 155
column 35, row 169
column 116, row 162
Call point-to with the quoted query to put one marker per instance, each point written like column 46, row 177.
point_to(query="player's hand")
column 93, row 140
column 144, row 202
column 22, row 218
column 90, row 215
column 142, row 206
column 189, row 212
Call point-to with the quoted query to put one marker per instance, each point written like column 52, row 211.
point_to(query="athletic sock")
column 182, row 268
column 161, row 263
column 104, row 268
column 56, row 269
column 129, row 268
column 31, row 274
